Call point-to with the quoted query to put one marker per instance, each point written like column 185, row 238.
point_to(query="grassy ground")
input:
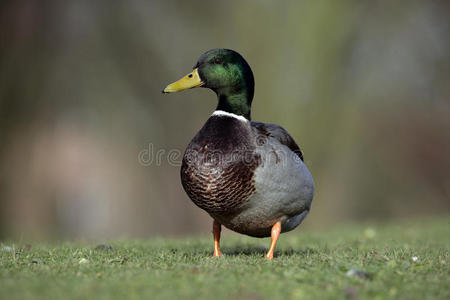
column 407, row 260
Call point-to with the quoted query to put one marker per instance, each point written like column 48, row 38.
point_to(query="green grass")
column 307, row 265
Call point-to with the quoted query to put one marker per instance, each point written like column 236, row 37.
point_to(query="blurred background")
column 89, row 146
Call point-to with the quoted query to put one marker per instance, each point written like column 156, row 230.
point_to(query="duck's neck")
column 238, row 103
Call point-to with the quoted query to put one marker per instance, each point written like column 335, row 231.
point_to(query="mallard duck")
column 248, row 176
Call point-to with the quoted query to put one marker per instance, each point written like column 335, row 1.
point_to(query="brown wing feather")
column 279, row 133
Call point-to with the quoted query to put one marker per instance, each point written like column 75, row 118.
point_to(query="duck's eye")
column 217, row 61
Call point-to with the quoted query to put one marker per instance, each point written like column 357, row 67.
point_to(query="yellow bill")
column 189, row 81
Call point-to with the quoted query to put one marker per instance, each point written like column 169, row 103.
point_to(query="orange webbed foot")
column 217, row 227
column 275, row 234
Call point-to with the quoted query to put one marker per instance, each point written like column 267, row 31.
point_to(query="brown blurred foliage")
column 363, row 86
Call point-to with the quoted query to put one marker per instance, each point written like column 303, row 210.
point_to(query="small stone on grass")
column 83, row 261
column 358, row 273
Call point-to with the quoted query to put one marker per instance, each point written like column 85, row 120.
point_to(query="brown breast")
column 219, row 164
column 219, row 183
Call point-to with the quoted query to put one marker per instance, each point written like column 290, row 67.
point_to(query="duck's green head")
column 225, row 72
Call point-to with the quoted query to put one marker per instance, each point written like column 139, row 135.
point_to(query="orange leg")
column 217, row 227
column 276, row 230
